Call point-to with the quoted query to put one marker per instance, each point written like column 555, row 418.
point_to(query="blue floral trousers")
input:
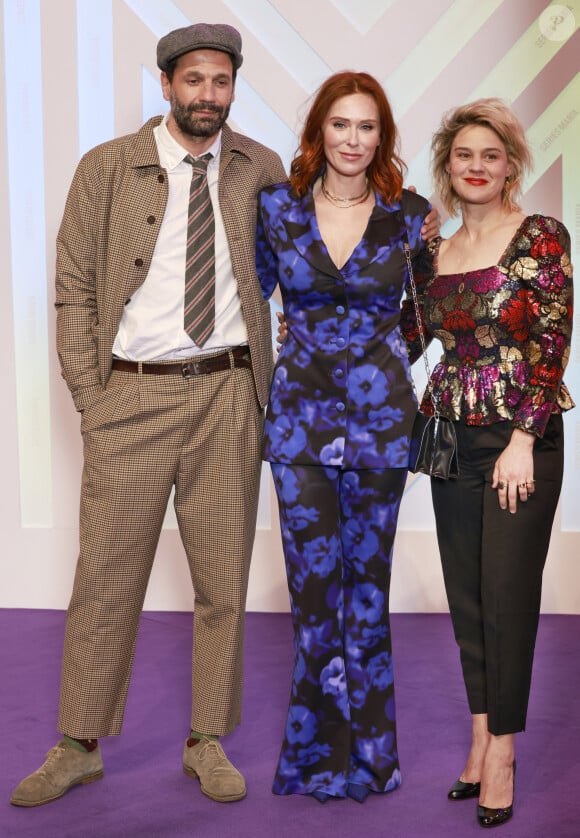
column 338, row 529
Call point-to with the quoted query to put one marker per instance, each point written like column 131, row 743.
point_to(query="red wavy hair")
column 385, row 173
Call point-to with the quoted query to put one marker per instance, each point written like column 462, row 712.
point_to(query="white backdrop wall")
column 75, row 73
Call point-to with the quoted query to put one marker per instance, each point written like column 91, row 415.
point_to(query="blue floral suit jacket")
column 342, row 392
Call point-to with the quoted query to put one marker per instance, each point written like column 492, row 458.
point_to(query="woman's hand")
column 282, row 330
column 513, row 473
column 432, row 224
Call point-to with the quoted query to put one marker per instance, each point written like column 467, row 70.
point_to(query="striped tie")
column 199, row 303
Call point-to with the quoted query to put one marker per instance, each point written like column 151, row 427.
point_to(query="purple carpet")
column 145, row 792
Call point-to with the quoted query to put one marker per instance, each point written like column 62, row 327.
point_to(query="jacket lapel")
column 302, row 228
column 383, row 232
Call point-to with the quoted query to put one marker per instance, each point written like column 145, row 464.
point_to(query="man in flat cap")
column 164, row 341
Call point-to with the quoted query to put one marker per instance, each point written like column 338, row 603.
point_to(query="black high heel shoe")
column 495, row 817
column 463, row 791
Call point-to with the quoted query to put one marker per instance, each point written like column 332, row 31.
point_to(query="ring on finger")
column 523, row 485
column 501, row 485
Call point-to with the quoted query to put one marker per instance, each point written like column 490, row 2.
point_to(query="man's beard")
column 204, row 126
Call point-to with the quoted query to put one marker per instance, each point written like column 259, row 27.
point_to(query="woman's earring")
column 507, row 188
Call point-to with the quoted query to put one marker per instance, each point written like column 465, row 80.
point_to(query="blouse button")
column 339, row 372
column 340, row 406
column 340, row 341
column 340, row 309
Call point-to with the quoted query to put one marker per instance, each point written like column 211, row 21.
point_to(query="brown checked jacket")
column 105, row 243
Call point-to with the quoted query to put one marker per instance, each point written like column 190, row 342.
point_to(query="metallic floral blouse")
column 505, row 332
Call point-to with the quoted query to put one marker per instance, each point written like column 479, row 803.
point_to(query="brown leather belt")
column 239, row 356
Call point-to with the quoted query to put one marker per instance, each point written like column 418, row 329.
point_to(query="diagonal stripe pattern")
column 199, row 302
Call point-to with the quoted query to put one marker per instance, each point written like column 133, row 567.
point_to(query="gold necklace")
column 344, row 203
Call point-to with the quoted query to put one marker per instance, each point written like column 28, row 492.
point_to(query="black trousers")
column 493, row 562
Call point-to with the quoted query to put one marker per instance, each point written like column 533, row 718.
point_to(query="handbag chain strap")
column 429, row 386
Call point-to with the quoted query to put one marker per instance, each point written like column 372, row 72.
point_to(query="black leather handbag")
column 433, row 447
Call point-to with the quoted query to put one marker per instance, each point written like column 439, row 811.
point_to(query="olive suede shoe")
column 63, row 768
column 206, row 760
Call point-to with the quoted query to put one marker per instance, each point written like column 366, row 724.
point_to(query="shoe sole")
column 462, row 796
column 228, row 798
column 82, row 782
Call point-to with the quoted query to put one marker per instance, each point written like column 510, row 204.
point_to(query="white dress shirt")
column 152, row 324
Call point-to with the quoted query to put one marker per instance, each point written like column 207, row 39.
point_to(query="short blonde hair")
column 499, row 117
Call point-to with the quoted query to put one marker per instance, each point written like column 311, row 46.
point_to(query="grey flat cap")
column 218, row 36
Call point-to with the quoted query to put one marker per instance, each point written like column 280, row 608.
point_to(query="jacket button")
column 151, row 219
column 138, row 263
column 161, row 178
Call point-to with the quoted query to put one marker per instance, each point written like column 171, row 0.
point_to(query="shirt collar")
column 171, row 153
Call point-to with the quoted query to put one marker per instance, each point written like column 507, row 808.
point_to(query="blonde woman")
column 501, row 304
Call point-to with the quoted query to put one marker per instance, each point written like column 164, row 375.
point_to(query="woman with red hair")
column 337, row 429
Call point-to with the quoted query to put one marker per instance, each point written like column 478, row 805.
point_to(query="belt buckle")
column 190, row 368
